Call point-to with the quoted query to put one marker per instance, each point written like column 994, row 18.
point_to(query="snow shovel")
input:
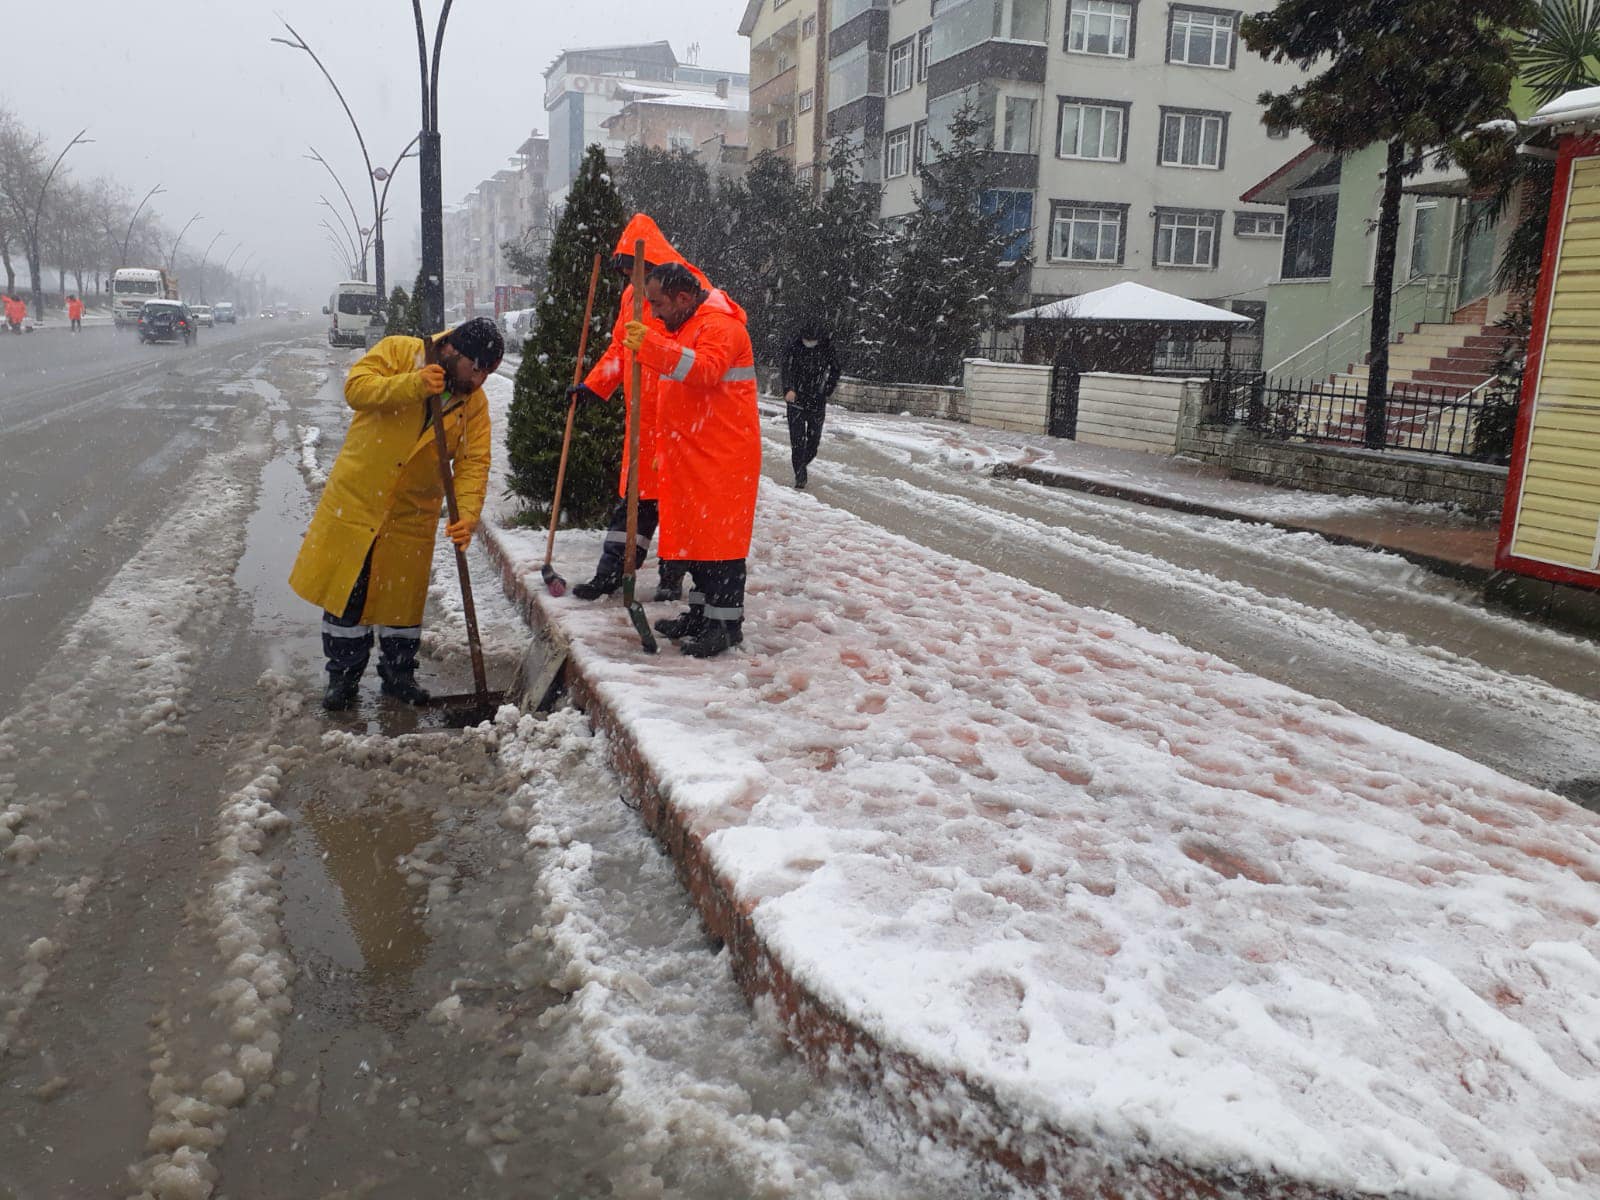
column 552, row 580
column 630, row 567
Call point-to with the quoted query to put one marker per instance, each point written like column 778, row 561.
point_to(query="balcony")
column 776, row 97
column 979, row 40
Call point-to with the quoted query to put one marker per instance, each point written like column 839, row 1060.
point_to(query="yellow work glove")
column 460, row 532
column 634, row 337
column 432, row 379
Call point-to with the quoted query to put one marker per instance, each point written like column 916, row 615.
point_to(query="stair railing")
column 1422, row 299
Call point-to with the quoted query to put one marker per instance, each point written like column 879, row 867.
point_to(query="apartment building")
column 586, row 88
column 671, row 119
column 788, row 80
column 1121, row 133
column 510, row 204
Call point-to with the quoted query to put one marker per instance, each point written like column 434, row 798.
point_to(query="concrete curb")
column 1117, row 491
column 948, row 1105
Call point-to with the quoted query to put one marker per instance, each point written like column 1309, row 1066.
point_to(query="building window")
column 783, row 64
column 1012, row 211
column 924, row 53
column 1091, row 129
column 1308, row 236
column 808, row 99
column 1193, row 139
column 897, row 153
column 856, row 73
column 680, row 140
column 845, row 11
column 1257, row 225
column 1186, row 237
column 1016, row 128
column 1102, row 27
column 804, row 174
column 808, row 27
column 919, row 145
column 900, row 66
column 959, row 25
column 785, row 133
column 1087, row 233
column 1201, row 37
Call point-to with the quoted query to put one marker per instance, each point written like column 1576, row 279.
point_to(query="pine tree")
column 591, row 223
column 955, row 268
column 1415, row 74
column 397, row 318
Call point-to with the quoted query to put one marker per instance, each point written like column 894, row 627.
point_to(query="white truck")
column 351, row 309
column 132, row 286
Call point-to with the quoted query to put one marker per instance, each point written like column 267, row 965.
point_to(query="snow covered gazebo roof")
column 1580, row 107
column 1131, row 301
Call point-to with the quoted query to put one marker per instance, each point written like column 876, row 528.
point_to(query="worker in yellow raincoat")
column 368, row 554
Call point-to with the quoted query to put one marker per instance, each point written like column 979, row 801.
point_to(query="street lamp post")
column 385, row 176
column 35, row 259
column 431, row 170
column 173, row 257
column 355, row 218
column 158, row 190
column 203, row 259
column 358, row 248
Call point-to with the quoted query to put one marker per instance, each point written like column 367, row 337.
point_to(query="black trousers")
column 347, row 643
column 718, row 589
column 615, row 547
column 77, row 324
column 805, row 431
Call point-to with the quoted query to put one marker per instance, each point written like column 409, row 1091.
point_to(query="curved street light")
column 431, row 170
column 173, row 257
column 158, row 190
column 358, row 247
column 355, row 217
column 35, row 263
column 203, row 258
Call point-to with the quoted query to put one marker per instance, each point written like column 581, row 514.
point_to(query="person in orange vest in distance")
column 710, row 439
column 75, row 313
column 16, row 313
column 601, row 384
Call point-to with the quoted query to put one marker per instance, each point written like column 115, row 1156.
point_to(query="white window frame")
column 1220, row 20
column 1203, row 224
column 808, row 27
column 897, row 153
column 919, row 146
column 1102, row 216
column 1002, row 120
column 1118, row 15
column 1240, row 229
column 784, row 133
column 807, row 100
column 902, row 66
column 1103, row 107
column 924, row 53
column 1184, row 116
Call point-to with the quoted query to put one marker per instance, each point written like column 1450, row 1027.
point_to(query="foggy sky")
column 193, row 95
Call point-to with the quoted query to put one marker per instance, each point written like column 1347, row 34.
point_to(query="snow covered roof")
column 1581, row 107
column 1129, row 301
column 675, row 97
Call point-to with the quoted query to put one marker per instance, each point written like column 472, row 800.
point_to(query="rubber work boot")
column 667, row 592
column 711, row 641
column 800, row 478
column 600, row 585
column 688, row 624
column 344, row 687
column 403, row 686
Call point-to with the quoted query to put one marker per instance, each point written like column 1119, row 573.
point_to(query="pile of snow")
column 1168, row 908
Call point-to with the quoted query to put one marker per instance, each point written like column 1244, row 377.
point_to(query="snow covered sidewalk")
column 1111, row 909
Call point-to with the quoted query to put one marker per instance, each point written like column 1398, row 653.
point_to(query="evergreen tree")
column 591, row 223
column 760, row 257
column 675, row 189
column 397, row 318
column 955, row 268
column 1415, row 74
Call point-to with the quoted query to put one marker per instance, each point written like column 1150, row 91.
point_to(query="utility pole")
column 35, row 259
column 431, row 171
column 203, row 258
column 172, row 258
column 155, row 191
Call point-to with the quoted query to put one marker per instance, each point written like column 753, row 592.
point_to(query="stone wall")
column 1476, row 488
column 1012, row 396
column 920, row 400
column 1133, row 412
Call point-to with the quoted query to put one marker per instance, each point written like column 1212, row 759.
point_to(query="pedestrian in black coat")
column 810, row 375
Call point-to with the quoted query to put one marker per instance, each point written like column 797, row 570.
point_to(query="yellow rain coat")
column 384, row 490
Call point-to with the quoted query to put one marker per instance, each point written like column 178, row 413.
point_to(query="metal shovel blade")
column 539, row 683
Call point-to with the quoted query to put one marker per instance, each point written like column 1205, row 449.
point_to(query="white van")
column 350, row 309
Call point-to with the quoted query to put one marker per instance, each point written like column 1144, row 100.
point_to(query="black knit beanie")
column 479, row 339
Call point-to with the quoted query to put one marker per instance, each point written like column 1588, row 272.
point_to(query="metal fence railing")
column 1420, row 300
column 1426, row 420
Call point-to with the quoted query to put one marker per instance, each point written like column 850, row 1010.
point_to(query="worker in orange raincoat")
column 16, row 312
column 709, row 437
column 75, row 313
column 601, row 384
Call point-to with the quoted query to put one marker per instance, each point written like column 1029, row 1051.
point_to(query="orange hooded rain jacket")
column 613, row 367
column 710, row 432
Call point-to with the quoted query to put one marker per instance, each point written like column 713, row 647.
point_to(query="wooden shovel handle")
column 572, row 411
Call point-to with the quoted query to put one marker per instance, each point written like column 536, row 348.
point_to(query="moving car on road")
column 202, row 315
column 350, row 310
column 166, row 321
column 225, row 313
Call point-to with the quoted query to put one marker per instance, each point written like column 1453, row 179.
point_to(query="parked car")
column 516, row 325
column 202, row 316
column 166, row 321
column 225, row 313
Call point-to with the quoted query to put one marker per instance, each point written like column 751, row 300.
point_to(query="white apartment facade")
column 1122, row 133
